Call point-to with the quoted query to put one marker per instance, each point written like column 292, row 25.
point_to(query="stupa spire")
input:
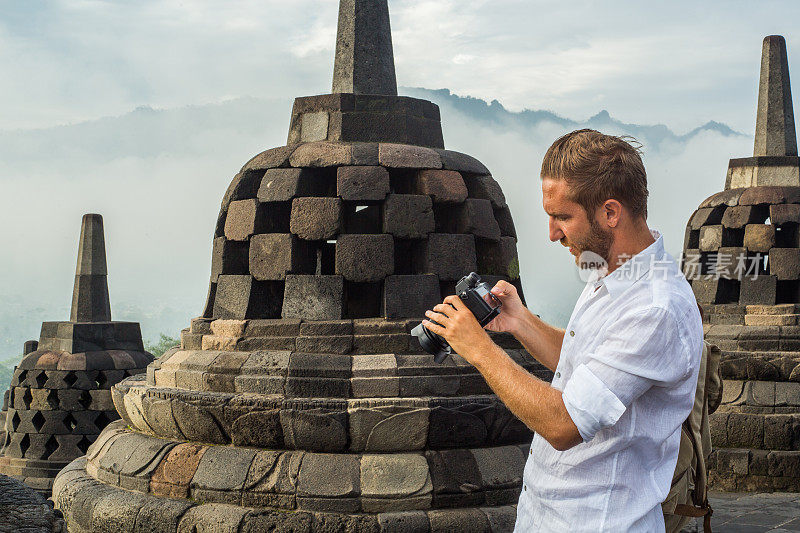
column 775, row 132
column 364, row 58
column 90, row 294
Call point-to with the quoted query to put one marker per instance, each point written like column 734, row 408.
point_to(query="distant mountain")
column 148, row 132
column 493, row 113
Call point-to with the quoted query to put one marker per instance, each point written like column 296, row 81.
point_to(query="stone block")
column 280, row 327
column 329, row 475
column 338, row 344
column 506, row 223
column 500, row 467
column 787, row 394
column 322, row 154
column 473, row 216
column 223, row 517
column 316, row 430
column 172, row 477
column 450, row 256
column 501, row 518
column 284, row 184
column 406, row 522
column 715, row 290
column 243, row 297
column 729, row 197
column 458, row 521
column 784, row 263
column 410, row 295
column 739, row 216
column 395, row 476
column 365, row 257
column 706, row 216
column 327, row 327
column 710, row 238
column 242, row 220
column 759, row 237
column 314, row 126
column 408, row 216
column 408, row 156
column 223, row 468
column 443, row 186
column 452, row 160
column 362, row 183
column 313, row 297
column 374, row 376
column 485, row 187
column 498, row 258
column 771, row 320
column 745, row 431
column 784, row 214
column 759, row 290
column 770, row 195
column 273, row 255
column 316, row 218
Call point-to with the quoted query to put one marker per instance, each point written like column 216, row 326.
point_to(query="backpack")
column 688, row 495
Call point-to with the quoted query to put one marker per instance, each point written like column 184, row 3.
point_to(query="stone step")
column 143, row 513
column 750, row 470
column 319, row 424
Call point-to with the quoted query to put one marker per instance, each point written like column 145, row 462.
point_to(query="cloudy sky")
column 222, row 75
column 680, row 63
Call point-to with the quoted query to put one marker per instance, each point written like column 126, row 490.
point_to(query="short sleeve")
column 637, row 352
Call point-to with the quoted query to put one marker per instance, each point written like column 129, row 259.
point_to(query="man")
column 625, row 369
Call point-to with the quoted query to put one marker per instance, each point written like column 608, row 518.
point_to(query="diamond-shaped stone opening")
column 101, row 380
column 15, row 420
column 21, row 376
column 50, row 446
column 41, row 379
column 85, row 399
column 83, row 444
column 24, row 444
column 38, row 421
column 70, row 423
column 70, row 379
column 52, row 399
column 27, row 397
column 102, row 420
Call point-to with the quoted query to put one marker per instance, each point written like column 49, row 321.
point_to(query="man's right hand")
column 513, row 312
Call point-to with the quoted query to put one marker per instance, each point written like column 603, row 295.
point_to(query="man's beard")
column 598, row 241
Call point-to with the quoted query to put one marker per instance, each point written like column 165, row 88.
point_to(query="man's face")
column 569, row 223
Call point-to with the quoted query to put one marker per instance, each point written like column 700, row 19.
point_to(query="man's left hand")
column 460, row 329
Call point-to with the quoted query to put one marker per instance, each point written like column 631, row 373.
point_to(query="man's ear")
column 611, row 212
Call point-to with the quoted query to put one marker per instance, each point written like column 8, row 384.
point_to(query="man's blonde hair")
column 597, row 168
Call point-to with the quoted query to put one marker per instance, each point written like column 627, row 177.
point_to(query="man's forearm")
column 538, row 405
column 541, row 340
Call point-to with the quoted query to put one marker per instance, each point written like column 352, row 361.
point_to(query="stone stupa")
column 743, row 249
column 299, row 401
column 60, row 400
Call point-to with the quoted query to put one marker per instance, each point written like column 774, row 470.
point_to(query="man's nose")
column 555, row 232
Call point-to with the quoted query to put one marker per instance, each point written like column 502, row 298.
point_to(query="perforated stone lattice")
column 756, row 225
column 356, row 230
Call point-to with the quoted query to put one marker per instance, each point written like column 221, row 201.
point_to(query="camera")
column 478, row 298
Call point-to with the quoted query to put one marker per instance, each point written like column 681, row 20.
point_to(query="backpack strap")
column 701, row 507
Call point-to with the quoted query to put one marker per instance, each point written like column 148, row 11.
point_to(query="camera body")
column 478, row 298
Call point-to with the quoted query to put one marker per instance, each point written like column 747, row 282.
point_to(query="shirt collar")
column 634, row 268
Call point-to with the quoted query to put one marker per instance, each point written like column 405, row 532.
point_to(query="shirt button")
column 572, row 333
column 558, row 374
column 525, row 487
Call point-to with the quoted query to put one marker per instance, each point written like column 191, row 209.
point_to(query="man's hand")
column 512, row 314
column 460, row 329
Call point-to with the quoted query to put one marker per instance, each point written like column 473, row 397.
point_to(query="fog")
column 157, row 177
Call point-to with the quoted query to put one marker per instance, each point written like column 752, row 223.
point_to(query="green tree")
column 164, row 343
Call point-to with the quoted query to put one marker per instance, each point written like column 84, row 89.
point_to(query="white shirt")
column 628, row 374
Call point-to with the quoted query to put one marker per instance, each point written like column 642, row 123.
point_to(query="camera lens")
column 431, row 343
